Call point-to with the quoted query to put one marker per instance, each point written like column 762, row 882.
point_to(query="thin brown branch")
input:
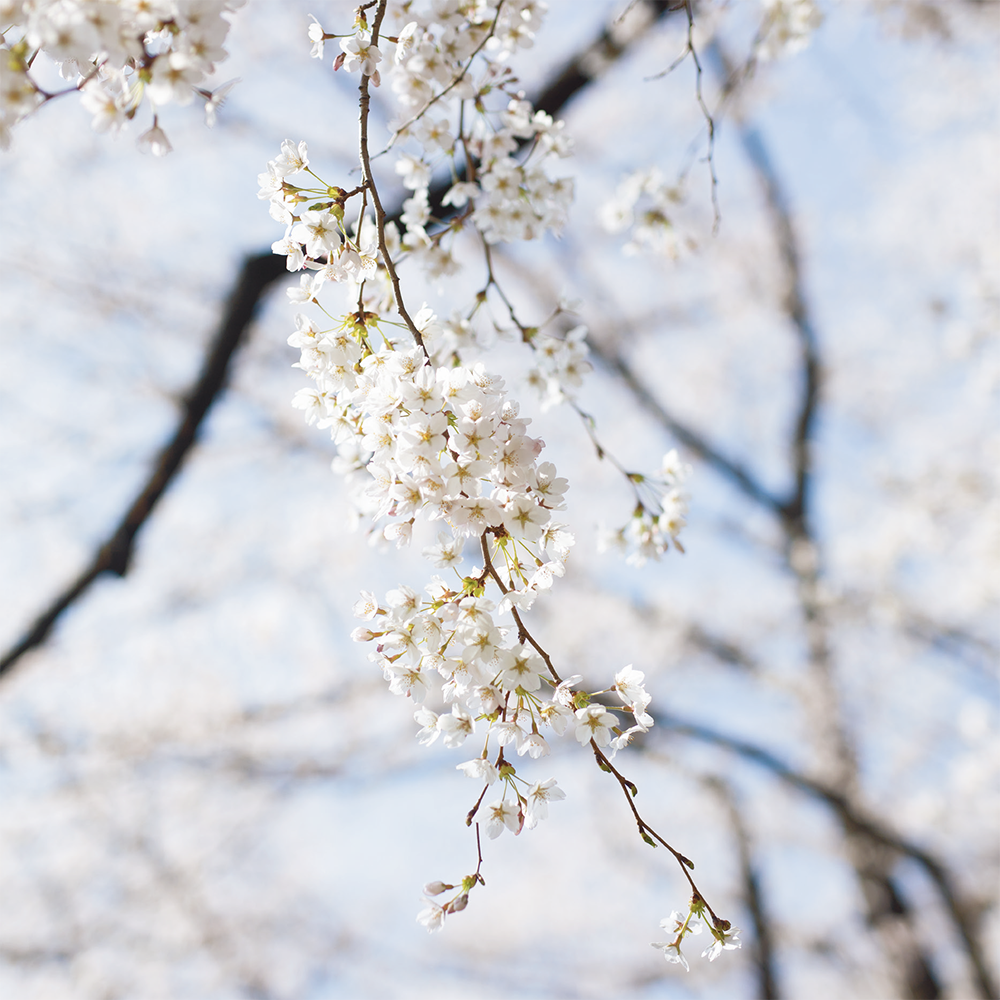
column 523, row 634
column 380, row 214
column 647, row 833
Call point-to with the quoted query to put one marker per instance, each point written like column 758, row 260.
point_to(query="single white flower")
column 672, row 952
column 359, row 53
column 155, row 141
column 534, row 746
column 367, row 607
column 432, row 916
column 539, row 796
column 725, row 940
column 503, row 814
column 481, row 769
column 594, row 723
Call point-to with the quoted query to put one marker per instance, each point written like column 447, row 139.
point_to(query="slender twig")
column 380, row 215
column 709, row 121
column 646, row 831
column 648, row 834
column 796, row 507
column 523, row 633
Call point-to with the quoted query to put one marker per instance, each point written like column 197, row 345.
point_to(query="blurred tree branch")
column 887, row 907
column 853, row 818
column 115, row 555
column 763, row 947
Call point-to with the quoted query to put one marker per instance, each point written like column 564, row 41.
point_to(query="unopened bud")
column 436, row 888
column 458, row 904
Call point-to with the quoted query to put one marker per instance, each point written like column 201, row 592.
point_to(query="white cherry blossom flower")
column 724, row 940
column 359, row 53
column 481, row 769
column 672, row 953
column 456, row 727
column 508, row 732
column 291, row 249
column 563, row 693
column 539, row 796
column 432, row 916
column 428, row 720
column 174, row 76
column 503, row 814
column 291, row 160
column 367, row 607
column 316, row 36
column 534, row 746
column 154, row 140
column 522, row 669
column 405, row 41
column 319, row 232
column 594, row 723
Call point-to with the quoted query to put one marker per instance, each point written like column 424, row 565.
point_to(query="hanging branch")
column 258, row 274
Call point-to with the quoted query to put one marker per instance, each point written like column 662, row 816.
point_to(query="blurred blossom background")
column 206, row 790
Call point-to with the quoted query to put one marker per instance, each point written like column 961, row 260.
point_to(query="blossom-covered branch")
column 115, row 55
column 427, row 434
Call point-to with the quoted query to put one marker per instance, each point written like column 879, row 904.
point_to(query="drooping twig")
column 629, row 789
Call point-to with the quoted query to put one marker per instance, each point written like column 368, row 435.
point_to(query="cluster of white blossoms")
column 425, row 432
column 510, row 194
column 560, row 365
column 787, row 28
column 643, row 205
column 725, row 937
column 659, row 515
column 114, row 53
